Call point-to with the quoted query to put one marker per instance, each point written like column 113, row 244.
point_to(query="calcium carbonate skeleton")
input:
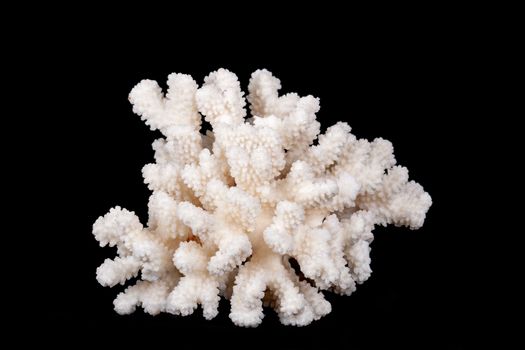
column 235, row 211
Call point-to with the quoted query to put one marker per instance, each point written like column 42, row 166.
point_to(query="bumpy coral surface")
column 261, row 210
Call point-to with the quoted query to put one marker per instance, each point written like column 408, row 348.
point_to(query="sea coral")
column 261, row 210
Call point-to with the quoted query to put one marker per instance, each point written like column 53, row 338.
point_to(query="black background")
column 406, row 86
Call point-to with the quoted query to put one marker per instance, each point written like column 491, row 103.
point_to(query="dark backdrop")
column 406, row 89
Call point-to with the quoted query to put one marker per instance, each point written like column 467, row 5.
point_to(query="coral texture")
column 262, row 210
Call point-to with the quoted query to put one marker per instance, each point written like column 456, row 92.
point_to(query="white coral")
column 233, row 210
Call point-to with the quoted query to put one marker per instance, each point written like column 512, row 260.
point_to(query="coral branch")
column 254, row 210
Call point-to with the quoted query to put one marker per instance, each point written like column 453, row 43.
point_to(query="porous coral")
column 254, row 210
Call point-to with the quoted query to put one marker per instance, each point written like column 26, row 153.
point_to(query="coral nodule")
column 253, row 210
